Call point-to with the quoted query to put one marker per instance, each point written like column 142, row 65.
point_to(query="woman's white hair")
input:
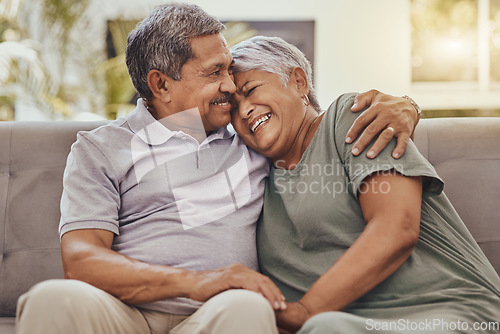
column 274, row 55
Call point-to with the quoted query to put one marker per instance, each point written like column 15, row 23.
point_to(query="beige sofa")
column 465, row 152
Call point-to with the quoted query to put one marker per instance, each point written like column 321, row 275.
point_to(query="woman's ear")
column 158, row 82
column 299, row 79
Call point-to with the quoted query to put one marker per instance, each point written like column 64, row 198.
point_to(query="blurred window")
column 456, row 41
column 495, row 40
column 444, row 40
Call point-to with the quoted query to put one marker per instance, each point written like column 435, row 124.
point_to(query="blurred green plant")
column 47, row 57
column 119, row 88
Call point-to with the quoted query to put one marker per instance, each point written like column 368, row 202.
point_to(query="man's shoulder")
column 108, row 133
column 107, row 143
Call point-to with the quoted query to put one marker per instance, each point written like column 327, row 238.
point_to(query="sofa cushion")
column 33, row 156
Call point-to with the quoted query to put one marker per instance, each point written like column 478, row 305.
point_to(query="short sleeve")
column 90, row 198
column 411, row 163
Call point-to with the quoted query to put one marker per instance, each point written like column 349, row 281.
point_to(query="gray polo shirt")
column 168, row 199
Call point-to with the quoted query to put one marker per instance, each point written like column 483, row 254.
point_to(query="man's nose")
column 227, row 84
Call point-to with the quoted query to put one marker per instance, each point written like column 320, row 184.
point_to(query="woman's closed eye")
column 251, row 90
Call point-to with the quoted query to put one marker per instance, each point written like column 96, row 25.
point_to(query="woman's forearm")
column 391, row 233
column 377, row 253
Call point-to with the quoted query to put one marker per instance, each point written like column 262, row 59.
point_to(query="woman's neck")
column 306, row 132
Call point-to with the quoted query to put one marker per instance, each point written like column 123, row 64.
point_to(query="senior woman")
column 355, row 245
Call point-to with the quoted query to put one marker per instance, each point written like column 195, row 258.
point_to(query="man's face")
column 206, row 82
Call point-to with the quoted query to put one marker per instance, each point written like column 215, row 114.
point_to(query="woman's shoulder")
column 338, row 118
column 345, row 100
column 340, row 108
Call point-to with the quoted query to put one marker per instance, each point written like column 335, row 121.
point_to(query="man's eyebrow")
column 217, row 66
column 212, row 67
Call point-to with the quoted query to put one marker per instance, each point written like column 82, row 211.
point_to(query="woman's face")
column 267, row 114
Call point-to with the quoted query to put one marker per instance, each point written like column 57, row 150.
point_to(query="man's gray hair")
column 161, row 42
column 274, row 55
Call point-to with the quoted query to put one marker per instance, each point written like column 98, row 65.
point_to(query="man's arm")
column 87, row 256
column 387, row 115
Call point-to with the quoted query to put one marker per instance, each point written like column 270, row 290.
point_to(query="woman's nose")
column 245, row 109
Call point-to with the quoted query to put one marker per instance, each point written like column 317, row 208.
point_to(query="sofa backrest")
column 32, row 160
column 466, row 154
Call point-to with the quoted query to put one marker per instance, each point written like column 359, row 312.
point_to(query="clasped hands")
column 205, row 284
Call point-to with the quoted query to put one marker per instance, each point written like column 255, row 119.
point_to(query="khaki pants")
column 75, row 307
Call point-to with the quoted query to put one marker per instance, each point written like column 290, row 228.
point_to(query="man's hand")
column 292, row 318
column 237, row 276
column 389, row 116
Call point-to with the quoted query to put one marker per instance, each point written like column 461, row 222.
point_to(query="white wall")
column 360, row 44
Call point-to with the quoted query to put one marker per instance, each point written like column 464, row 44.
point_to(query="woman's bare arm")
column 391, row 207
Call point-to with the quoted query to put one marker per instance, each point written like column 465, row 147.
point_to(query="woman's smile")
column 259, row 122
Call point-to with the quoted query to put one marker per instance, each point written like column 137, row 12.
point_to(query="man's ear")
column 158, row 82
column 299, row 79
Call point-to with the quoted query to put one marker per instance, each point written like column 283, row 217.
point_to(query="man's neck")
column 187, row 121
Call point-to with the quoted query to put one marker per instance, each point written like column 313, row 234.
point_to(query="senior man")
column 159, row 208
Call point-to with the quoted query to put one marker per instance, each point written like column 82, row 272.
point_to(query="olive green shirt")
column 311, row 216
